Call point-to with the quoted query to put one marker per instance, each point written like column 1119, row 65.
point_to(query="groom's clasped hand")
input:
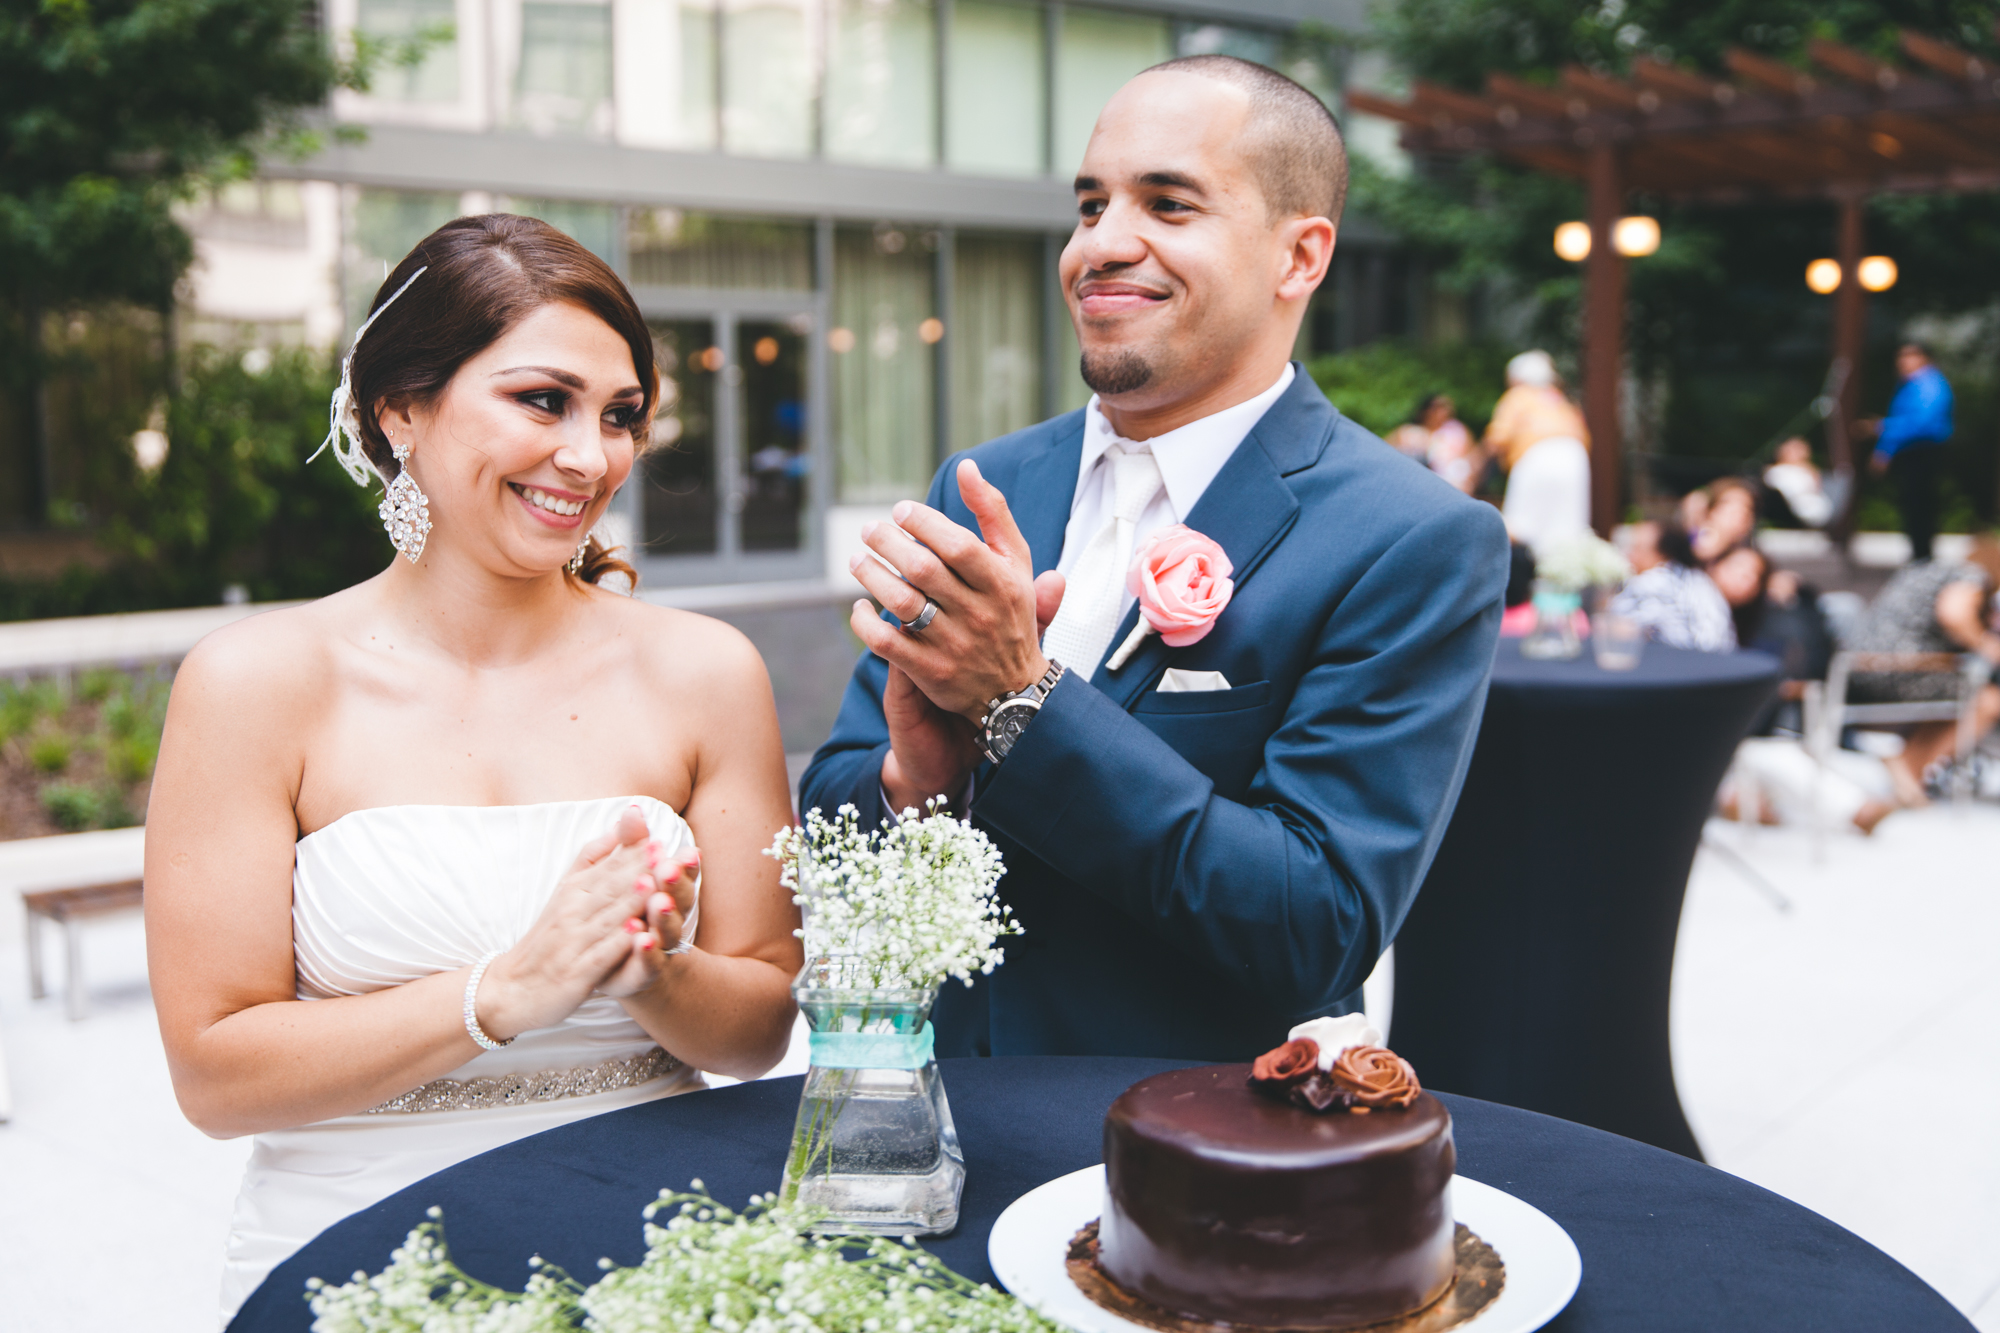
column 983, row 641
column 607, row 930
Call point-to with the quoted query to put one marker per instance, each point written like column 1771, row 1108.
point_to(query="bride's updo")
column 484, row 275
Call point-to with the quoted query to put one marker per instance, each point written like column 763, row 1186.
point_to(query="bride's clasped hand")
column 613, row 927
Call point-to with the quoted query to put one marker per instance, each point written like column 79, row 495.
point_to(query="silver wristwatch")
column 1008, row 715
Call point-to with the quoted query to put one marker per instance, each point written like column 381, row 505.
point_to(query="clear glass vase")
column 874, row 1149
column 1554, row 636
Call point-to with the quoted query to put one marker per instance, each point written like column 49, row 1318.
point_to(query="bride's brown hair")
column 484, row 275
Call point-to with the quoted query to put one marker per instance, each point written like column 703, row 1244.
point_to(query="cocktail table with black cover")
column 1667, row 1244
column 1535, row 965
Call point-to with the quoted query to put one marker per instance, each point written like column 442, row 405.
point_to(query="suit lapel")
column 1246, row 509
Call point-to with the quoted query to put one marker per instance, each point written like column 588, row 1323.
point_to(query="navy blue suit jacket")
column 1196, row 872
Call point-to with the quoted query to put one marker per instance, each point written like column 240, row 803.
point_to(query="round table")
column 1667, row 1244
column 1535, row 965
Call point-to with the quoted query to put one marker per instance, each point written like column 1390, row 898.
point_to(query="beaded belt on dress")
column 541, row 1085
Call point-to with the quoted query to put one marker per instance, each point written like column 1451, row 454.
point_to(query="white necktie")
column 1095, row 594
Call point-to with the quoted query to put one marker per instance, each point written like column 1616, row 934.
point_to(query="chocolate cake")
column 1308, row 1198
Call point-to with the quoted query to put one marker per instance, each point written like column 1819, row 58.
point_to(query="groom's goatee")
column 1117, row 374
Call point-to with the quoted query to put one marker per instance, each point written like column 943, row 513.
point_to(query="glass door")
column 775, row 462
column 730, row 487
column 681, row 504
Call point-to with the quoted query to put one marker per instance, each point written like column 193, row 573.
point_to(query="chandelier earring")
column 405, row 509
column 575, row 565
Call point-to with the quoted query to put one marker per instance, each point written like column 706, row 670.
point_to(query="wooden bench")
column 70, row 908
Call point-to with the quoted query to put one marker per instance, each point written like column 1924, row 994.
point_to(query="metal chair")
column 1828, row 712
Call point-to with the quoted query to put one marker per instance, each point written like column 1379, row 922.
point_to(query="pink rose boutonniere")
column 1181, row 579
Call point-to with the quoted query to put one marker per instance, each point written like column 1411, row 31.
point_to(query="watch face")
column 1008, row 723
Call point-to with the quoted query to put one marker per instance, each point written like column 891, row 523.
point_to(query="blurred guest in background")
column 1436, row 437
column 1910, row 443
column 1676, row 602
column 1931, row 607
column 1539, row 437
column 1797, row 483
column 1728, row 520
column 1773, row 612
column 1519, row 618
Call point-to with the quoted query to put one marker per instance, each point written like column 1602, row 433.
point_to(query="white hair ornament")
column 343, row 416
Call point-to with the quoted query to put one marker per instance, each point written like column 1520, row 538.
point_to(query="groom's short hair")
column 1295, row 148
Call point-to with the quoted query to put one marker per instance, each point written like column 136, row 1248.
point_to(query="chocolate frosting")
column 1231, row 1206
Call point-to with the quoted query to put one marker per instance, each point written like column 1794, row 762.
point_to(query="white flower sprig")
column 708, row 1268
column 1581, row 561
column 906, row 905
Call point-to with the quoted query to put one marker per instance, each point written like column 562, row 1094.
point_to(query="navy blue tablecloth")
column 1667, row 1244
column 1535, row 965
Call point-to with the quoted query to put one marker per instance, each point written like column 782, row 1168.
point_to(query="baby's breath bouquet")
column 888, row 916
column 906, row 905
column 1583, row 560
column 707, row 1268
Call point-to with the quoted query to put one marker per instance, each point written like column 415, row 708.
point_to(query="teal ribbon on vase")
column 871, row 1050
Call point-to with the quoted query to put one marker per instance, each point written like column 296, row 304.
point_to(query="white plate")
column 1030, row 1244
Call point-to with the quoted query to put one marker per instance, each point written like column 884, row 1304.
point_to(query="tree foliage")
column 109, row 109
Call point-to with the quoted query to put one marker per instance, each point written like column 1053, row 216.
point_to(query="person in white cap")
column 1539, row 437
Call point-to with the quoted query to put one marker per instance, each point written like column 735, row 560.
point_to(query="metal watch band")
column 1034, row 694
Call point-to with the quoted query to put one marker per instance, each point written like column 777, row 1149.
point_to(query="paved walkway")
column 1876, row 991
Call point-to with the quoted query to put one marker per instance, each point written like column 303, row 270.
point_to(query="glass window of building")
column 669, row 247
column 594, row 226
column 386, row 225
column 996, row 336
column 560, row 82
column 412, row 26
column 1099, row 50
column 884, row 361
column 996, row 115
column 768, row 76
column 665, row 67
column 881, row 82
column 1258, row 45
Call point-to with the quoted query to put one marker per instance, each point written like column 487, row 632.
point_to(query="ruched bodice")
column 385, row 896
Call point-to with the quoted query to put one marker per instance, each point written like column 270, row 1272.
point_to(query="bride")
column 421, row 874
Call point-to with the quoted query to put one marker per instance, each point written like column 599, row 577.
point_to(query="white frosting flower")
column 1334, row 1035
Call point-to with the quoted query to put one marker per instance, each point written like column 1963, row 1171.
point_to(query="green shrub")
column 131, row 758
column 96, row 685
column 50, row 751
column 73, row 806
column 1379, row 385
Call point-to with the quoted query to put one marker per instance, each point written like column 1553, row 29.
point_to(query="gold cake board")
column 1475, row 1285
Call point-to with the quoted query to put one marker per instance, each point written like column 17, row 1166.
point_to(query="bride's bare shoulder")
column 686, row 650
column 274, row 659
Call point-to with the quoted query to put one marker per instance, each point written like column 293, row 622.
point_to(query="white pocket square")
column 1177, row 681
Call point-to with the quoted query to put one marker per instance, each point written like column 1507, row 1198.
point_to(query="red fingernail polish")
column 669, row 908
column 642, row 885
column 632, row 927
column 646, row 943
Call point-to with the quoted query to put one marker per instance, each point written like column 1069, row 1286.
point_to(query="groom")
column 1210, row 843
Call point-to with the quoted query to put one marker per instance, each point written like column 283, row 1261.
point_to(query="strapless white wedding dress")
column 385, row 896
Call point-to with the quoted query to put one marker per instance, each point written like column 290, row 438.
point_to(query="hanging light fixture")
column 1877, row 273
column 1636, row 236
column 1573, row 241
column 1823, row 276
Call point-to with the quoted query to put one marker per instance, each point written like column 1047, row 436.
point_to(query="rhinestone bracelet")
column 472, row 1027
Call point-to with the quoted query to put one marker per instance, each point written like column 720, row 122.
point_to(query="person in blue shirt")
column 1910, row 443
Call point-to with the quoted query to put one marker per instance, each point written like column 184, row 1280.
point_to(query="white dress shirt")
column 1188, row 457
